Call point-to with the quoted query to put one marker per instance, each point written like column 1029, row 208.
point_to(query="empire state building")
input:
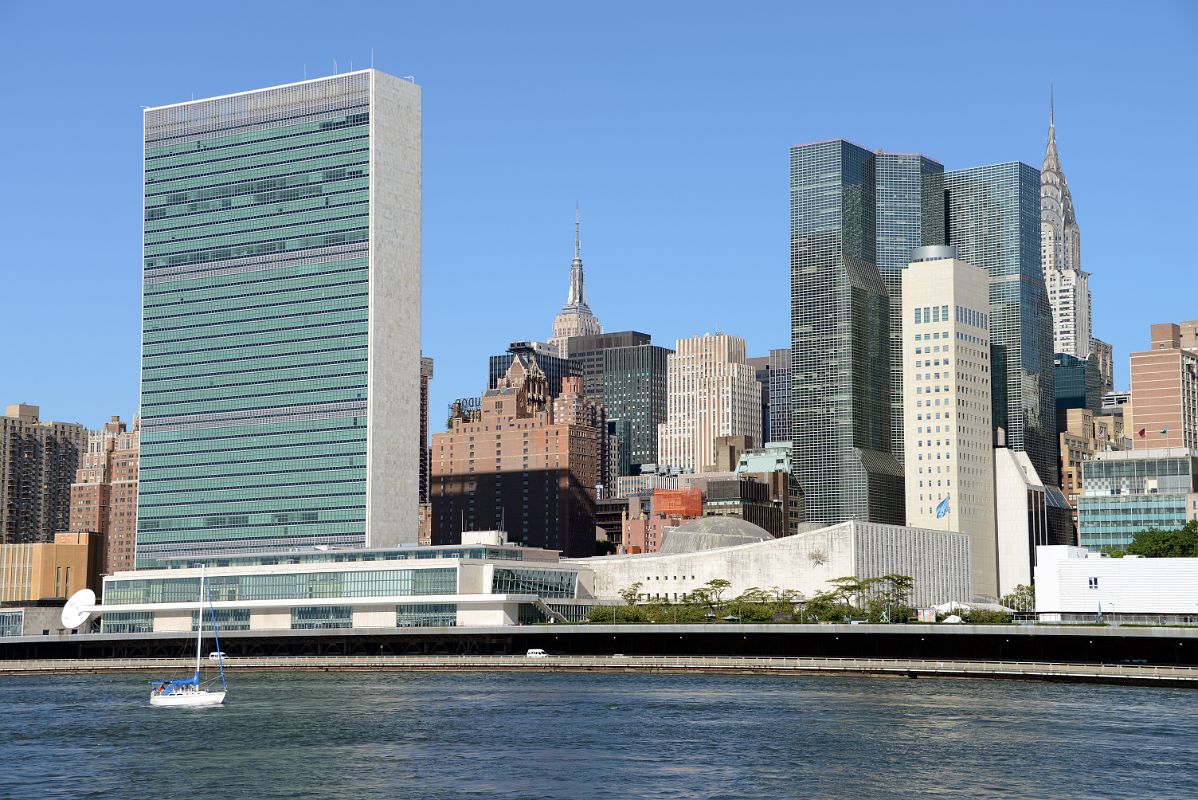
column 575, row 318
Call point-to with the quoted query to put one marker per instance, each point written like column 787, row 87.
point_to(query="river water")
column 509, row 735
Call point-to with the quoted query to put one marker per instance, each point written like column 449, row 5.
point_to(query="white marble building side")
column 393, row 391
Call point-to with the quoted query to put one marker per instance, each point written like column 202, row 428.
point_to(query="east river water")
column 507, row 735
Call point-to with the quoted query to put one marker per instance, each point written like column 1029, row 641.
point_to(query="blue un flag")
column 942, row 509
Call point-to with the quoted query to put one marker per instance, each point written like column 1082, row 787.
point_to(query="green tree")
column 1155, row 543
column 1021, row 598
column 711, row 595
column 632, row 593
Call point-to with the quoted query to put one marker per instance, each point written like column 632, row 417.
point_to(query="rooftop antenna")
column 372, row 58
column 577, row 241
column 305, row 72
column 334, row 66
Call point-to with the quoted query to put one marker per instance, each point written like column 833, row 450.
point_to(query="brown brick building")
column 1164, row 390
column 104, row 494
column 515, row 466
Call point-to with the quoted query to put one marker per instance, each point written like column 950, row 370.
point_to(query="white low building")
column 1074, row 584
column 937, row 561
column 482, row 582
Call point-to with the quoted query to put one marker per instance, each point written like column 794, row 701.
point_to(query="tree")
column 711, row 594
column 632, row 593
column 1155, row 543
column 1021, row 598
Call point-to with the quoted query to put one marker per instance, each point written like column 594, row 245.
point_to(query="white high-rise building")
column 948, row 459
column 1061, row 255
column 710, row 391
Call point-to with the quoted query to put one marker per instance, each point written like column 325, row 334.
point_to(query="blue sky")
column 669, row 123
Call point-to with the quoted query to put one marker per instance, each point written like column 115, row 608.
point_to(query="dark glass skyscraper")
column 840, row 323
column 909, row 213
column 634, row 391
column 993, row 215
column 779, row 428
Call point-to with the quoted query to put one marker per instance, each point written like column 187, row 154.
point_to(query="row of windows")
column 364, row 583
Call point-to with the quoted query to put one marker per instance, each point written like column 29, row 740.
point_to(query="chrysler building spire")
column 1060, row 252
column 575, row 318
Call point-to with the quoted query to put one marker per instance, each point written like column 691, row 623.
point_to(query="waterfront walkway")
column 1145, row 674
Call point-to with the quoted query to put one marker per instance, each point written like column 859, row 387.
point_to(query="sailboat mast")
column 200, row 626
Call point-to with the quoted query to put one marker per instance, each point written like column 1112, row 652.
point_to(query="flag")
column 1142, row 432
column 942, row 509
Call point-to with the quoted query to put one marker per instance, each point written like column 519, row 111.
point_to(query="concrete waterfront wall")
column 1041, row 643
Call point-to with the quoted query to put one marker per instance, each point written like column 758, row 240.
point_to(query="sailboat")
column 189, row 691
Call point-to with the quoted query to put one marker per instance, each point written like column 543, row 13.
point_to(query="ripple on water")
column 544, row 735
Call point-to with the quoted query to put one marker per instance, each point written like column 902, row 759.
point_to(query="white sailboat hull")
column 200, row 698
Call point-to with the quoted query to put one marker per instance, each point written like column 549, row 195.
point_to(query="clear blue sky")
column 669, row 122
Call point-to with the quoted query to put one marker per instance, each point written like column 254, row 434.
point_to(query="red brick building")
column 516, row 467
column 104, row 494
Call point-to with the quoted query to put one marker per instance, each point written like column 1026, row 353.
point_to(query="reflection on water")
column 426, row 735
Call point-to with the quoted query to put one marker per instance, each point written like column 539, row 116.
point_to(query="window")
column 1093, row 583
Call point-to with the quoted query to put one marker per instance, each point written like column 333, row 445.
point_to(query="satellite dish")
column 79, row 608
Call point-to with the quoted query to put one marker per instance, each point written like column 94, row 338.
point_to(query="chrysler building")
column 1060, row 250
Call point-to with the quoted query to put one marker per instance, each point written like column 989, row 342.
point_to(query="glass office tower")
column 281, row 319
column 909, row 214
column 634, row 391
column 840, row 331
column 994, row 221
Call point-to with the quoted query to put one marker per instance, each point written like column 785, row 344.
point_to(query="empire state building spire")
column 575, row 318
column 577, row 296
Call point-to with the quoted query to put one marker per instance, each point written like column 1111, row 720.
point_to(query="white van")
column 536, row 652
column 217, row 655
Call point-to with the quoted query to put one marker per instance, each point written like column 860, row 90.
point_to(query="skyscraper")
column 1164, row 392
column 994, row 221
column 586, row 355
column 841, row 398
column 281, row 333
column 711, row 392
column 426, row 375
column 909, row 213
column 779, row 430
column 949, row 461
column 1060, row 248
column 1106, row 363
column 37, row 465
column 104, row 494
column 575, row 318
column 993, row 215
column 634, row 392
column 514, row 466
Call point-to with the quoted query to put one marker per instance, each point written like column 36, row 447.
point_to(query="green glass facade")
column 993, row 217
column 284, row 586
column 909, row 213
column 256, row 321
column 634, row 391
column 842, row 456
column 1125, row 495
